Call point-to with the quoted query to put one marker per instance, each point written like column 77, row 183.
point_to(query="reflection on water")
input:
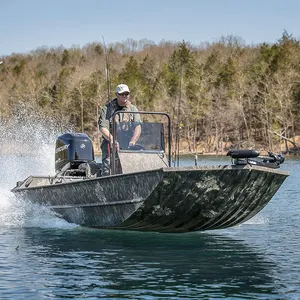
column 112, row 264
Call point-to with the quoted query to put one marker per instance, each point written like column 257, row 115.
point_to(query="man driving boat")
column 120, row 103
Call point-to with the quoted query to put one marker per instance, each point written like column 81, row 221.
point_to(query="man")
column 120, row 103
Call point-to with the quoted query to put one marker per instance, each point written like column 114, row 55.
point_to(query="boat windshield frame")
column 114, row 133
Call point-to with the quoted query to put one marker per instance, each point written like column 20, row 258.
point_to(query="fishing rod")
column 179, row 123
column 107, row 78
column 107, row 75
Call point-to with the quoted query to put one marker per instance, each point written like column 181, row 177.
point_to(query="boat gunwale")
column 163, row 170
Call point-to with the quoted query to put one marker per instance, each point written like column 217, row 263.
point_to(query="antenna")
column 179, row 123
column 107, row 71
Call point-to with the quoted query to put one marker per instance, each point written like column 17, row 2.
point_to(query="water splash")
column 27, row 147
column 257, row 220
column 15, row 213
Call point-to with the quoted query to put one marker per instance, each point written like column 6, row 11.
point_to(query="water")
column 43, row 257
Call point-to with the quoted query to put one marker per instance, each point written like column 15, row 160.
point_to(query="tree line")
column 218, row 94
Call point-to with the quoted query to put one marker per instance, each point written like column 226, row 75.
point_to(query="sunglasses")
column 123, row 94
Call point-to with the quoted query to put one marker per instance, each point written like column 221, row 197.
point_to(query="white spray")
column 27, row 147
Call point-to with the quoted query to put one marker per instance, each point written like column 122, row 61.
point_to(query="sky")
column 27, row 25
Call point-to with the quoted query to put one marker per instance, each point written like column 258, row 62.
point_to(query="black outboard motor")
column 251, row 157
column 74, row 155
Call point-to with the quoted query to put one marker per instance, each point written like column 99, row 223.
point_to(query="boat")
column 144, row 191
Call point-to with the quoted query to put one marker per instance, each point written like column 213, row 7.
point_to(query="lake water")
column 43, row 257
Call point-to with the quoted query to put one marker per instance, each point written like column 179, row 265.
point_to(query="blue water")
column 43, row 257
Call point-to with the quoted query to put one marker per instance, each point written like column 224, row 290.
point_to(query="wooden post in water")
column 196, row 158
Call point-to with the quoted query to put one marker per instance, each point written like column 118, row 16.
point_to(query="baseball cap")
column 121, row 88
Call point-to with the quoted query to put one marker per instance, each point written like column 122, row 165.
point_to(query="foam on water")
column 18, row 213
column 27, row 147
column 258, row 219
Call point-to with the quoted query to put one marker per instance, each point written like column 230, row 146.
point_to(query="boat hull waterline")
column 168, row 199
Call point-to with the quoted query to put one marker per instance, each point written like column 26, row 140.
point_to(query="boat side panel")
column 114, row 198
column 211, row 199
column 98, row 215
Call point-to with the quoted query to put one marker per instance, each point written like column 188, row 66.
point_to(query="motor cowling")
column 73, row 148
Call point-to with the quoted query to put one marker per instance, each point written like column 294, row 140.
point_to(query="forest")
column 219, row 95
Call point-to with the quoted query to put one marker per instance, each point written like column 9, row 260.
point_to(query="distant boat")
column 144, row 192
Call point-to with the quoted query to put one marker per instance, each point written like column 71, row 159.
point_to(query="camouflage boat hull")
column 168, row 199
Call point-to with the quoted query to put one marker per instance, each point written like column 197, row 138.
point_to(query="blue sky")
column 26, row 25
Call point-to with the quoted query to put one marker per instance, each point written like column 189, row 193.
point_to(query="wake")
column 27, row 146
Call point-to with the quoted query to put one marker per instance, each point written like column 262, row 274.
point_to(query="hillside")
column 219, row 94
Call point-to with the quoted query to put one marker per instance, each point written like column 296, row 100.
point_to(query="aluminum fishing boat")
column 144, row 192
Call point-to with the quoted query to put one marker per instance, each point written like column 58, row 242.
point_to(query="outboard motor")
column 74, row 155
column 251, row 157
